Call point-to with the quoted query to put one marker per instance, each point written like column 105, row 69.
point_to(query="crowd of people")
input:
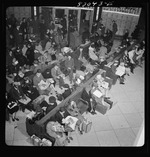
column 40, row 62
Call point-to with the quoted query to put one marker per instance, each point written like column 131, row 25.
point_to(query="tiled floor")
column 118, row 127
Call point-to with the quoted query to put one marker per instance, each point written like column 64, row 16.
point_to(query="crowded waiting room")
column 74, row 76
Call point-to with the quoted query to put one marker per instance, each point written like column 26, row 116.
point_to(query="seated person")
column 92, row 54
column 16, row 91
column 62, row 113
column 102, row 52
column 51, row 105
column 56, row 130
column 102, row 62
column 30, row 90
column 56, row 74
column 37, row 80
column 67, row 91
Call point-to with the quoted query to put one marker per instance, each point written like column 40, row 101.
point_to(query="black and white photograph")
column 75, row 76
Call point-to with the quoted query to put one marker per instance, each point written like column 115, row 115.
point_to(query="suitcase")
column 46, row 142
column 36, row 141
column 38, row 101
column 102, row 108
column 86, row 126
column 108, row 102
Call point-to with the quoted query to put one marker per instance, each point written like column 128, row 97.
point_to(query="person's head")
column 122, row 64
column 23, row 19
column 65, row 86
column 52, row 100
column 62, row 109
column 38, row 73
column 92, row 45
column 69, row 57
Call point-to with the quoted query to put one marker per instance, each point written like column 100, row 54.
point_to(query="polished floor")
column 118, row 127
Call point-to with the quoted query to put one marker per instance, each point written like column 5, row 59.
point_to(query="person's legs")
column 121, row 79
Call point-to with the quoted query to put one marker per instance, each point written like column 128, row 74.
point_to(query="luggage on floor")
column 102, row 108
column 109, row 102
column 36, row 141
column 46, row 142
column 86, row 125
column 38, row 101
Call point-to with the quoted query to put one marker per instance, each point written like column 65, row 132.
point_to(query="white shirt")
column 92, row 55
column 140, row 54
column 131, row 54
column 103, row 52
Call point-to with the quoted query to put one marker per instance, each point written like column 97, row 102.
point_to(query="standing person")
column 29, row 27
column 64, row 24
column 126, row 34
column 18, row 36
column 114, row 30
column 12, row 21
column 35, row 25
column 69, row 63
column 12, row 107
column 42, row 29
column 131, row 55
column 30, row 54
column 85, row 35
column 87, row 96
column 87, row 17
column 23, row 28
